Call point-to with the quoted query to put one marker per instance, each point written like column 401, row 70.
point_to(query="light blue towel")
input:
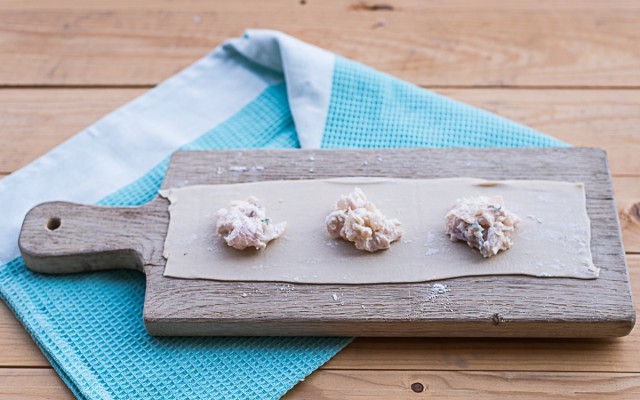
column 265, row 90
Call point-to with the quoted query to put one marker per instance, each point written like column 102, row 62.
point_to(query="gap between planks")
column 611, row 355
column 72, row 86
column 499, row 43
column 459, row 384
column 544, row 355
column 34, row 121
column 363, row 384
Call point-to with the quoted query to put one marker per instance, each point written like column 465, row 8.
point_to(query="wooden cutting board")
column 63, row 237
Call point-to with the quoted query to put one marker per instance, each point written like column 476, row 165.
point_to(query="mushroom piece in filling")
column 483, row 223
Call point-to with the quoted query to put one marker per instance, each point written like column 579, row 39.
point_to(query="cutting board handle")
column 60, row 237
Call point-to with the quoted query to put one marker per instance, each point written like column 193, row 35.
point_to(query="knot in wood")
column 417, row 387
column 363, row 6
column 634, row 213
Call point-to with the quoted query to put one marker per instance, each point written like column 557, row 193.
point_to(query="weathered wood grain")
column 593, row 118
column 476, row 306
column 627, row 190
column 74, row 35
column 465, row 385
column 496, row 43
column 617, row 355
column 609, row 355
column 612, row 355
column 33, row 121
column 60, row 237
column 45, row 384
column 16, row 346
column 31, row 383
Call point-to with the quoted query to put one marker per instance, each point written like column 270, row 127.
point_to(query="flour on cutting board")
column 436, row 290
column 557, row 247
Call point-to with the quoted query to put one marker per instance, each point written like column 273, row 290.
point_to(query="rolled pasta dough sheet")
column 553, row 239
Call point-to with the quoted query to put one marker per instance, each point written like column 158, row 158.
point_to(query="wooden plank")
column 497, row 43
column 595, row 118
column 45, row 384
column 61, row 238
column 474, row 306
column 18, row 349
column 70, row 42
column 477, row 302
column 627, row 190
column 30, row 383
column 34, row 121
column 465, row 385
column 16, row 346
column 613, row 355
column 617, row 355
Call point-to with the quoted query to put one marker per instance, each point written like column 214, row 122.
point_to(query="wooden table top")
column 568, row 68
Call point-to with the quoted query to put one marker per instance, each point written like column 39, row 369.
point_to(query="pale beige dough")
column 553, row 239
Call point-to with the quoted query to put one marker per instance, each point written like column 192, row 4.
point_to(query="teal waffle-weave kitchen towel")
column 264, row 90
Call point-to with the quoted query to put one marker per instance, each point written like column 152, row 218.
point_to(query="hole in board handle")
column 53, row 223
